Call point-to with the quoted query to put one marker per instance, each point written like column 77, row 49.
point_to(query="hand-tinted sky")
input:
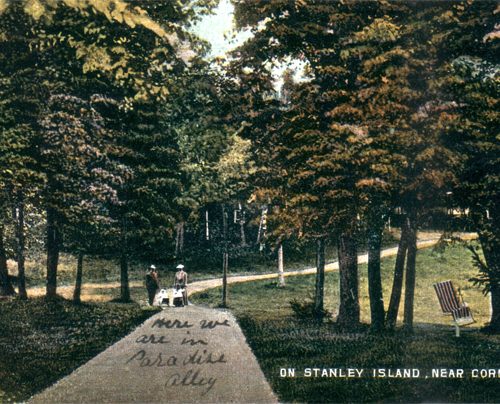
column 218, row 29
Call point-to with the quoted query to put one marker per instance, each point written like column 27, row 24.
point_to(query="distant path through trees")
column 199, row 286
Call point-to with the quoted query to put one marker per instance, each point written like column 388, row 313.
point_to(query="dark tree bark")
column 79, row 276
column 124, row 283
column 21, row 276
column 397, row 284
column 6, row 288
column 374, row 278
column 54, row 240
column 348, row 268
column 319, row 295
column 410, row 274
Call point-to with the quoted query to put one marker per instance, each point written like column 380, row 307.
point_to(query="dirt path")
column 334, row 266
column 184, row 355
column 94, row 291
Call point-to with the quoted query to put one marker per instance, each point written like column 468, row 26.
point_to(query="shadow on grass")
column 43, row 340
column 288, row 343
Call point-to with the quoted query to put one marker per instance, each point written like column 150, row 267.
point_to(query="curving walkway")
column 199, row 286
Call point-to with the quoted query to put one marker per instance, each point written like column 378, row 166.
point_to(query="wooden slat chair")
column 452, row 303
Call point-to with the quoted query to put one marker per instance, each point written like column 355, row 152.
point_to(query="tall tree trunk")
column 410, row 275
column 6, row 288
column 179, row 239
column 281, row 267
column 225, row 257
column 207, row 226
column 21, row 277
column 242, row 225
column 488, row 226
column 242, row 233
column 124, row 283
column 79, row 275
column 397, row 283
column 54, row 239
column 261, row 235
column 374, row 278
column 348, row 268
column 494, row 325
column 319, row 295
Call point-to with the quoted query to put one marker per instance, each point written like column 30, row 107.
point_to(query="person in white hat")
column 152, row 283
column 181, row 281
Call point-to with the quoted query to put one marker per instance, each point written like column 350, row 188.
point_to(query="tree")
column 470, row 127
column 457, row 29
column 398, row 70
column 57, row 48
column 6, row 288
column 321, row 142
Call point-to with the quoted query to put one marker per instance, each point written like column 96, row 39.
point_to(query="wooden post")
column 225, row 265
column 79, row 276
column 225, row 257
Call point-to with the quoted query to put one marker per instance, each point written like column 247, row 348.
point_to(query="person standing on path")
column 180, row 282
column 152, row 284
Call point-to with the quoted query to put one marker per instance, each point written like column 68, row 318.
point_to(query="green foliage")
column 484, row 277
column 85, row 132
column 305, row 310
column 470, row 126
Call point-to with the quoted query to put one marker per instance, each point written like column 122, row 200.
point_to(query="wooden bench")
column 452, row 303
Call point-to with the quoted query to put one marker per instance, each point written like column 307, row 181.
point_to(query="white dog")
column 161, row 298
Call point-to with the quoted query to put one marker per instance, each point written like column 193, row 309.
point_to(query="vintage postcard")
column 249, row 201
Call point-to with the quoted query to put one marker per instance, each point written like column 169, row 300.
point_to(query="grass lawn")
column 42, row 341
column 101, row 270
column 280, row 340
